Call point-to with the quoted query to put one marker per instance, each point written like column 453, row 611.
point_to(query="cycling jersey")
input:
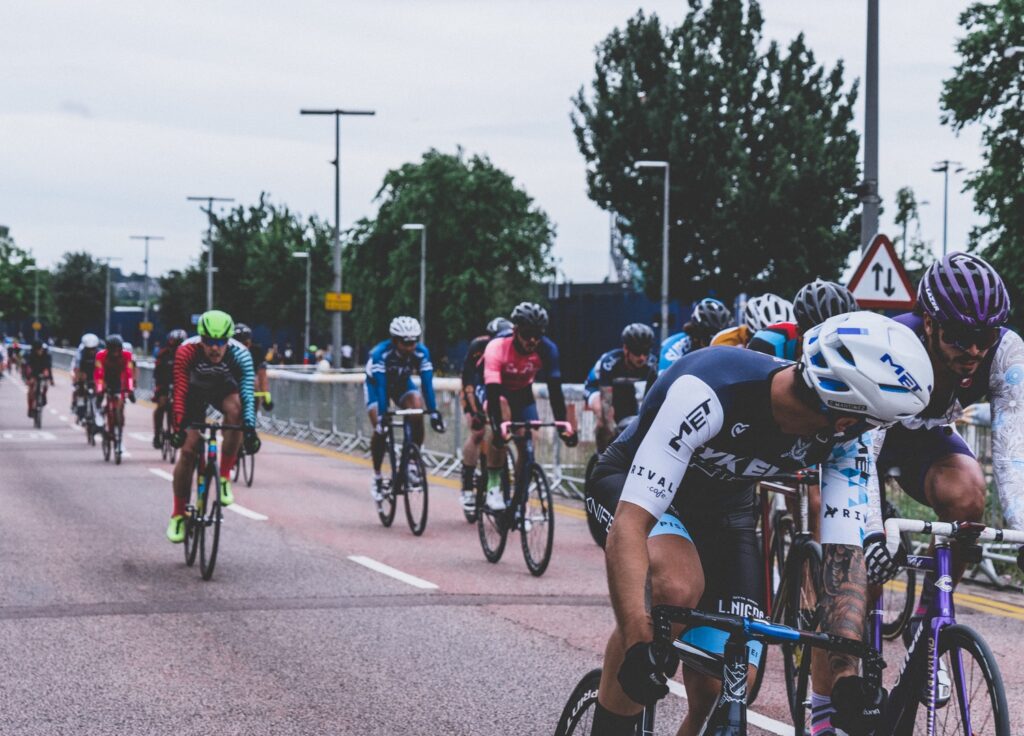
column 199, row 382
column 115, row 382
column 472, row 364
column 36, row 364
column 737, row 336
column 781, row 340
column 84, row 361
column 674, row 348
column 389, row 375
column 613, row 365
column 509, row 372
column 163, row 370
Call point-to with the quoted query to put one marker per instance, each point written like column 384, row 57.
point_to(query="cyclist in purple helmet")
column 962, row 305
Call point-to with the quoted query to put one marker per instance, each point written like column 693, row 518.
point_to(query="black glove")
column 644, row 674
column 177, row 439
column 131, row 396
column 858, row 706
column 882, row 566
column 251, row 441
column 571, row 439
column 436, row 421
column 268, row 404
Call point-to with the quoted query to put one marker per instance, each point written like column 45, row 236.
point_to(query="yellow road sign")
column 146, row 326
column 335, row 301
column 39, row 325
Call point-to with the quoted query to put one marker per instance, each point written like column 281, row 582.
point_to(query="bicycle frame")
column 525, row 459
column 400, row 467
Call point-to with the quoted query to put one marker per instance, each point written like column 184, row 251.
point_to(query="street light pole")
column 306, row 255
column 106, row 297
column 145, row 287
column 943, row 167
column 868, row 189
column 209, row 242
column 664, row 242
column 423, row 274
column 35, row 310
column 336, row 332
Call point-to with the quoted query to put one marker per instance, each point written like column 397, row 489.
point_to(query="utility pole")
column 35, row 310
column 106, row 297
column 336, row 333
column 309, row 258
column 868, row 188
column 942, row 167
column 664, row 242
column 145, row 287
column 209, row 242
column 423, row 275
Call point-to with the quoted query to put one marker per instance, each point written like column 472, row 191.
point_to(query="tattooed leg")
column 844, row 611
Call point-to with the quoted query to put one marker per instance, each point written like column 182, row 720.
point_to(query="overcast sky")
column 111, row 113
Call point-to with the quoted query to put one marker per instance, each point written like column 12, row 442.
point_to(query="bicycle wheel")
column 596, row 530
column 538, row 523
column 194, row 520
column 248, row 468
column 210, row 539
column 416, row 496
column 238, row 466
column 386, row 507
column 106, row 446
column 491, row 525
column 899, row 594
column 37, row 418
column 577, row 717
column 118, row 447
column 797, row 606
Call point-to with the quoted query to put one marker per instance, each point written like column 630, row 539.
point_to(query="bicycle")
column 528, row 503
column 113, row 427
column 39, row 401
column 203, row 518
column 729, row 715
column 89, row 421
column 397, row 482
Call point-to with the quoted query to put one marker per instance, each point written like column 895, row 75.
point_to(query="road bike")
column 729, row 715
column 113, row 427
column 203, row 519
column 38, row 402
column 527, row 496
column 89, row 414
column 405, row 475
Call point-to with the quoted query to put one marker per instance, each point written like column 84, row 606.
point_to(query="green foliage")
column 915, row 253
column 987, row 89
column 488, row 246
column 761, row 147
column 79, row 283
column 16, row 281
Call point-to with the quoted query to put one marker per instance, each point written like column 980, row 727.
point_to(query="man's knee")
column 956, row 488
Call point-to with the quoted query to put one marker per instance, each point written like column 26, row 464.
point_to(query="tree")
column 16, row 282
column 79, row 284
column 763, row 156
column 488, row 247
column 987, row 89
column 915, row 253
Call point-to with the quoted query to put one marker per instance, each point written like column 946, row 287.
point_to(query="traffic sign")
column 37, row 326
column 195, row 318
column 880, row 281
column 146, row 326
column 336, row 301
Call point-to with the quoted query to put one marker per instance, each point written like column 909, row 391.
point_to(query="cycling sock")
column 179, row 506
column 607, row 723
column 227, row 464
column 467, row 477
column 821, row 715
column 493, row 478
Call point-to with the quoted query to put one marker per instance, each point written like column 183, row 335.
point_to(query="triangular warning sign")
column 880, row 281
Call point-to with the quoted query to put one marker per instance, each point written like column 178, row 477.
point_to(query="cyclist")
column 389, row 370
column 759, row 312
column 679, row 483
column 82, row 366
column 814, row 303
column 210, row 369
column 37, row 366
column 113, row 378
column 163, row 373
column 473, row 406
column 511, row 363
column 243, row 333
column 709, row 318
column 611, row 402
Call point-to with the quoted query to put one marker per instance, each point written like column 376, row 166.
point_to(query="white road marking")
column 756, row 719
column 141, row 437
column 26, row 435
column 63, row 417
column 247, row 513
column 160, row 473
column 392, row 572
column 53, row 411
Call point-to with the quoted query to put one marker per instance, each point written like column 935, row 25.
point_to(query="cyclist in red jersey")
column 113, row 378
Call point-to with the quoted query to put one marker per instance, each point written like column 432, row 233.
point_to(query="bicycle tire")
column 797, row 607
column 117, row 446
column 537, row 533
column 577, row 717
column 194, row 521
column 106, row 443
column 416, row 498
column 210, row 539
column 37, row 418
column 248, row 468
column 387, row 506
column 896, row 618
column 237, row 471
column 492, row 528
column 596, row 530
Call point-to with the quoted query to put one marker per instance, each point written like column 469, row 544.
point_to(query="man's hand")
column 436, row 421
column 251, row 441
column 477, row 421
column 382, row 420
column 644, row 673
column 881, row 564
column 571, row 439
column 177, row 439
column 858, row 705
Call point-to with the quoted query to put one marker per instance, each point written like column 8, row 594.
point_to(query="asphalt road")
column 104, row 630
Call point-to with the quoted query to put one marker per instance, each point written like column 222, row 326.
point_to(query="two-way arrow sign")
column 890, row 288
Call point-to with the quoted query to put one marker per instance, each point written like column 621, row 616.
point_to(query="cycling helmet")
column 638, row 338
column 216, row 324
column 966, row 289
column 528, row 314
column 498, row 324
column 37, row 344
column 867, row 364
column 177, row 336
column 243, row 332
column 127, row 347
column 114, row 344
column 765, row 310
column 819, row 300
column 711, row 315
column 89, row 340
column 405, row 328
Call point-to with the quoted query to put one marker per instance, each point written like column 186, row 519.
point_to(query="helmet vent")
column 830, row 384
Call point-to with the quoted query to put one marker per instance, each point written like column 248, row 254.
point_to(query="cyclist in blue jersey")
column 610, row 398
column 82, row 367
column 814, row 303
column 389, row 371
column 709, row 318
column 679, row 485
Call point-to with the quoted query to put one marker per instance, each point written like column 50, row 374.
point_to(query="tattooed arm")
column 843, row 605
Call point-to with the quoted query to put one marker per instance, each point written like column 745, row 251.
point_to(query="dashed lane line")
column 160, row 473
column 392, row 572
column 236, row 507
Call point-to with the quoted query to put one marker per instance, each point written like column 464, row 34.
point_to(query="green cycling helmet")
column 216, row 324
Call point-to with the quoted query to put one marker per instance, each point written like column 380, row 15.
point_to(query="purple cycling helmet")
column 964, row 288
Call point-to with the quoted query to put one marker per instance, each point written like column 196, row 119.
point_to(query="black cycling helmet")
column 177, row 336
column 37, row 344
column 528, row 314
column 498, row 324
column 243, row 332
column 819, row 300
column 638, row 338
column 711, row 316
column 114, row 344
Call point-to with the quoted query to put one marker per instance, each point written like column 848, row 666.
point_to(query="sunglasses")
column 528, row 334
column 215, row 342
column 962, row 338
column 408, row 342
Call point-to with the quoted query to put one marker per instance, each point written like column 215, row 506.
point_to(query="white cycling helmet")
column 767, row 309
column 89, row 340
column 405, row 328
column 864, row 363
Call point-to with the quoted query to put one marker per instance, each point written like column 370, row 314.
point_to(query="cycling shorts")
column 914, row 451
column 730, row 556
column 207, row 389
column 370, row 393
column 160, row 391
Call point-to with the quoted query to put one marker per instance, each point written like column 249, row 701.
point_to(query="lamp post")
column 305, row 254
column 35, row 310
column 423, row 273
column 209, row 242
column 336, row 333
column 664, row 242
column 943, row 168
column 145, row 287
column 106, row 297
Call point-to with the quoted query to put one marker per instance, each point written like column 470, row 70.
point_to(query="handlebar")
column 212, row 426
column 506, row 427
column 965, row 531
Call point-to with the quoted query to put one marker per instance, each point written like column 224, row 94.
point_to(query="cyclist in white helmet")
column 759, row 312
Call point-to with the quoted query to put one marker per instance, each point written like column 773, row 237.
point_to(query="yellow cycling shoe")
column 176, row 529
column 226, row 496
